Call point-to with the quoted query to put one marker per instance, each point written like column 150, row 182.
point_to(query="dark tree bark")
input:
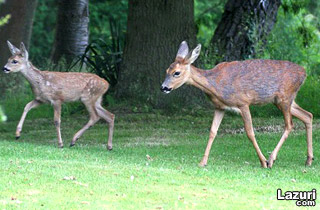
column 243, row 25
column 17, row 30
column 155, row 30
column 72, row 31
column 19, row 27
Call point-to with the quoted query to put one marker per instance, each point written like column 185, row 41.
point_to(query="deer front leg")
column 246, row 116
column 57, row 121
column 218, row 116
column 288, row 127
column 27, row 108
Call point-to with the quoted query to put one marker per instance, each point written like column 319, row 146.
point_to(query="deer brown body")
column 59, row 87
column 239, row 84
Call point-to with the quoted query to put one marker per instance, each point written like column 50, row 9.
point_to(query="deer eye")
column 14, row 62
column 176, row 74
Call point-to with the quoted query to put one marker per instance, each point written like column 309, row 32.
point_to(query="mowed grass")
column 153, row 164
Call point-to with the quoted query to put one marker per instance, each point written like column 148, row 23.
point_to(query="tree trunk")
column 155, row 30
column 17, row 30
column 72, row 31
column 243, row 26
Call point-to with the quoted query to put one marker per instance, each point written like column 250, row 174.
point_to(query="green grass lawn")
column 153, row 164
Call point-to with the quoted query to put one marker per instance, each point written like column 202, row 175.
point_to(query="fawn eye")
column 14, row 62
column 176, row 74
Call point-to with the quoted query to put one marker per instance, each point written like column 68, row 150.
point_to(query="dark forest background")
column 130, row 43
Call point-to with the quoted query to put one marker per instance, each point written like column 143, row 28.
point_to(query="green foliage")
column 104, row 16
column 102, row 59
column 43, row 32
column 4, row 20
column 102, row 13
column 207, row 16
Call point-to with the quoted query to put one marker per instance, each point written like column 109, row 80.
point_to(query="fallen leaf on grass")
column 69, row 178
column 33, row 192
column 293, row 180
column 82, row 184
column 149, row 158
column 85, row 202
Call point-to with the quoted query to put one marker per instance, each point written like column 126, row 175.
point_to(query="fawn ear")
column 183, row 50
column 194, row 55
column 24, row 51
column 12, row 48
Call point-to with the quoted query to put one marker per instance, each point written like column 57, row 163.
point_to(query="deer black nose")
column 5, row 69
column 165, row 89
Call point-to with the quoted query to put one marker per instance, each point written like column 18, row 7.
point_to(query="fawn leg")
column 57, row 122
column 218, row 116
column 93, row 119
column 109, row 118
column 32, row 104
column 306, row 118
column 246, row 116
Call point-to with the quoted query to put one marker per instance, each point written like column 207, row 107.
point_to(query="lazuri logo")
column 303, row 198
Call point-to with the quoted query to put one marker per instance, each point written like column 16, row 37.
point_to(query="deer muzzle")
column 5, row 70
column 165, row 89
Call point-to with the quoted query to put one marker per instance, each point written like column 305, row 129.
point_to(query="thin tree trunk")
column 243, row 26
column 17, row 30
column 155, row 30
column 72, row 30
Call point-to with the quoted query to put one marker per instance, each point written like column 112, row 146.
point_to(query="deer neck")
column 32, row 74
column 199, row 78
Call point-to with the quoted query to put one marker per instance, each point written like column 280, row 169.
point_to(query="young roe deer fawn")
column 59, row 87
column 239, row 84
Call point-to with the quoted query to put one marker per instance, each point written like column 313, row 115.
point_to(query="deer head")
column 179, row 71
column 18, row 60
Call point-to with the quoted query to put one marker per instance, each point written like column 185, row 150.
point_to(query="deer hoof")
column 270, row 163
column 202, row 165
column 17, row 137
column 264, row 164
column 309, row 161
column 109, row 148
column 72, row 144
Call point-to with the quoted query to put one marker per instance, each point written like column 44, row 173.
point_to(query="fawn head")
column 18, row 60
column 179, row 71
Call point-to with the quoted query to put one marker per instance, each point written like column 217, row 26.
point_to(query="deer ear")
column 183, row 50
column 194, row 55
column 24, row 51
column 12, row 48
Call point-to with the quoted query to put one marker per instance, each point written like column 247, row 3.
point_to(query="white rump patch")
column 233, row 109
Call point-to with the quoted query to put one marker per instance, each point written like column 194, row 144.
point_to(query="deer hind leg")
column 246, row 116
column 306, row 118
column 93, row 119
column 57, row 122
column 285, row 108
column 27, row 108
column 218, row 116
column 108, row 117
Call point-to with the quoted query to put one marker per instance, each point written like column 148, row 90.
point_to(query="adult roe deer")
column 58, row 87
column 237, row 85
